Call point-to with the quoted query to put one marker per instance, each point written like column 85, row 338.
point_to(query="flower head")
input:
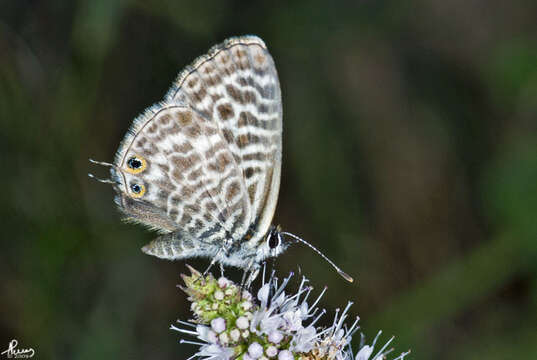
column 230, row 324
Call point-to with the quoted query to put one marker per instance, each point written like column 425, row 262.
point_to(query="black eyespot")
column 136, row 188
column 273, row 240
column 134, row 163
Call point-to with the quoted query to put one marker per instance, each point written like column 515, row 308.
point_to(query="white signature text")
column 13, row 352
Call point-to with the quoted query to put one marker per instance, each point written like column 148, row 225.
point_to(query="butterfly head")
column 272, row 245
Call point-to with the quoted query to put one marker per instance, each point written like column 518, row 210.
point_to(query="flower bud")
column 223, row 282
column 219, row 295
column 242, row 323
column 218, row 325
column 255, row 350
column 235, row 335
column 275, row 337
column 224, row 338
column 246, row 305
column 285, row 355
column 271, row 351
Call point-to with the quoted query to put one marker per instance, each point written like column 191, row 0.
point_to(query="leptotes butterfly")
column 202, row 167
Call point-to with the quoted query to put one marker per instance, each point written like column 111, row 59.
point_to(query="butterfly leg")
column 252, row 277
column 213, row 261
column 204, row 274
column 250, row 274
column 246, row 281
column 223, row 249
column 245, row 277
column 243, row 280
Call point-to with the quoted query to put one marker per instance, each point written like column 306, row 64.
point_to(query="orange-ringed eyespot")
column 137, row 190
column 136, row 164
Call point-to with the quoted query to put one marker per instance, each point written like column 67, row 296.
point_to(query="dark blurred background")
column 410, row 158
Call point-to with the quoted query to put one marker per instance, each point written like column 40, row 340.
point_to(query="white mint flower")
column 304, row 340
column 280, row 325
column 364, row 353
column 293, row 320
column 203, row 333
column 268, row 324
column 263, row 294
column 215, row 352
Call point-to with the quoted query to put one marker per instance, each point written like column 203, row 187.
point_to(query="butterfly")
column 202, row 167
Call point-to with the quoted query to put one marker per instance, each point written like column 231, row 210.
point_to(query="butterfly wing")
column 203, row 167
column 236, row 86
column 178, row 175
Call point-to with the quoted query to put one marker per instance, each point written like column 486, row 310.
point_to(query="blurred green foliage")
column 410, row 158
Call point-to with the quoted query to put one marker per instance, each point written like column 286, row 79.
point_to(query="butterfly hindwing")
column 188, row 177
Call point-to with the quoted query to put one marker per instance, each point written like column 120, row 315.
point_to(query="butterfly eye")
column 273, row 240
column 136, row 164
column 137, row 190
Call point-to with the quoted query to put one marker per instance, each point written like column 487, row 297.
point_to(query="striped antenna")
column 339, row 271
column 105, row 181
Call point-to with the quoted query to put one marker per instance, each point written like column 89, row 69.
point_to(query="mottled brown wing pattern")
column 235, row 86
column 189, row 174
column 203, row 166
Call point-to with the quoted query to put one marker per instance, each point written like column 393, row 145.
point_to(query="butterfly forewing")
column 236, row 86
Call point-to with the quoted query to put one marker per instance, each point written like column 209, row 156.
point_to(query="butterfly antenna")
column 106, row 181
column 102, row 163
column 339, row 271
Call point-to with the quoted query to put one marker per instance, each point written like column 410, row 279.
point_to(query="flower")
column 279, row 325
